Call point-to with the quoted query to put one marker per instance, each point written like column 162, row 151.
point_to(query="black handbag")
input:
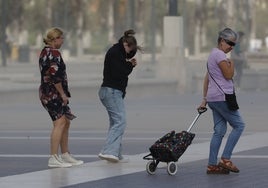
column 229, row 98
column 231, row 101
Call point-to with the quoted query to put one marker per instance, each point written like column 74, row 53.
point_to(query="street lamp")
column 173, row 10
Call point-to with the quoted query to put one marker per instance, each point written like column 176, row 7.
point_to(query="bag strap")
column 214, row 79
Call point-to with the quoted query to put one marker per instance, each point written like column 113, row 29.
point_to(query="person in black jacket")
column 118, row 64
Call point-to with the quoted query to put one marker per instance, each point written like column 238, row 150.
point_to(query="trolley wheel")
column 151, row 167
column 172, row 168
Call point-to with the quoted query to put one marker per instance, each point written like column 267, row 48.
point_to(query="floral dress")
column 53, row 71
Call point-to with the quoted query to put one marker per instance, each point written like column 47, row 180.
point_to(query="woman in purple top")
column 217, row 81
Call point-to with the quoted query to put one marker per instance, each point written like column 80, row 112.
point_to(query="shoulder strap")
column 214, row 79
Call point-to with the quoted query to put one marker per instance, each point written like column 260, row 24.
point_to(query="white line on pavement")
column 42, row 156
column 78, row 138
column 71, row 138
column 96, row 156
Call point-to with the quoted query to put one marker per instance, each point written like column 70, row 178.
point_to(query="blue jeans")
column 222, row 115
column 113, row 101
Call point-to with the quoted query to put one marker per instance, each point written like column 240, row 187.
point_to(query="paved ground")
column 25, row 128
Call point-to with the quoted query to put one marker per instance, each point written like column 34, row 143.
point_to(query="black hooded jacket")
column 117, row 68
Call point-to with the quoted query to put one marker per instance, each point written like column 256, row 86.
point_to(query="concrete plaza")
column 154, row 107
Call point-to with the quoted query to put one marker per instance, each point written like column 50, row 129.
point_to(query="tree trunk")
column 197, row 38
column 110, row 19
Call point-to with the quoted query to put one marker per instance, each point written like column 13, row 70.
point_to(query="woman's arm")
column 59, row 88
column 205, row 90
column 227, row 69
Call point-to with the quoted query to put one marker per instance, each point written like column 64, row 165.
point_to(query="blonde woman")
column 54, row 95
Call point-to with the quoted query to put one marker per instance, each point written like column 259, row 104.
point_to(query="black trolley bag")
column 170, row 148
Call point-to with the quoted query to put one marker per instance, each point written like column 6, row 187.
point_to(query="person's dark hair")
column 240, row 33
column 129, row 38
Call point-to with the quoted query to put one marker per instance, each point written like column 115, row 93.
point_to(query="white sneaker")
column 68, row 158
column 123, row 159
column 56, row 162
column 110, row 158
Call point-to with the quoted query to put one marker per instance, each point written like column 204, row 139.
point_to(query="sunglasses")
column 60, row 37
column 230, row 43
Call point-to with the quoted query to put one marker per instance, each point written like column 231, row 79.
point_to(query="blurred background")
column 176, row 36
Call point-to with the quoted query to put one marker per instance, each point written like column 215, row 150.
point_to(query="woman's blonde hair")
column 52, row 34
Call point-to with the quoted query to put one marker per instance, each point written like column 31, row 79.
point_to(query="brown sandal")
column 215, row 169
column 227, row 164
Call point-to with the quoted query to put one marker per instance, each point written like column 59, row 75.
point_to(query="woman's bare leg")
column 56, row 134
column 65, row 137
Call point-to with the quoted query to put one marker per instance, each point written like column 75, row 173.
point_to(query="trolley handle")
column 201, row 110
